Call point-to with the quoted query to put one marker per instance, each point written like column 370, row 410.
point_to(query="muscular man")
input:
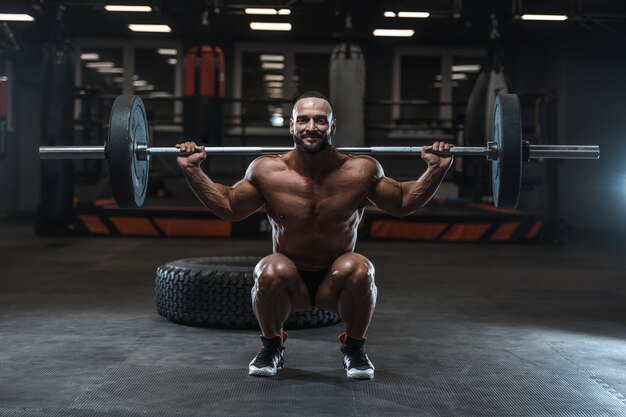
column 314, row 197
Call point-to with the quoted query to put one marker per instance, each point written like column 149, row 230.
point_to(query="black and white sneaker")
column 269, row 359
column 355, row 361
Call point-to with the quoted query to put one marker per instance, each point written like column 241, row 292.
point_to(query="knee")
column 356, row 272
column 272, row 273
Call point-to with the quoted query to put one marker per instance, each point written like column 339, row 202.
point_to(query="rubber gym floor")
column 459, row 330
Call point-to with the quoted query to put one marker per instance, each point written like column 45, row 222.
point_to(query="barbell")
column 128, row 153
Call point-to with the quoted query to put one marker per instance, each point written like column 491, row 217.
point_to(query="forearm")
column 213, row 196
column 415, row 194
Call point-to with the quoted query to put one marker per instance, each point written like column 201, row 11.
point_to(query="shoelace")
column 266, row 355
column 356, row 358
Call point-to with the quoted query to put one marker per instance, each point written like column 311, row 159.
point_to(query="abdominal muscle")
column 313, row 249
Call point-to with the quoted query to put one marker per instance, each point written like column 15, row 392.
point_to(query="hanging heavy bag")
column 55, row 210
column 203, row 103
column 347, row 92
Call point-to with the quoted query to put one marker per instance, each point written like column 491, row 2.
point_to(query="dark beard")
column 317, row 148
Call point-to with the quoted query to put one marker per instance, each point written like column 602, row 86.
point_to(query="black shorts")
column 312, row 279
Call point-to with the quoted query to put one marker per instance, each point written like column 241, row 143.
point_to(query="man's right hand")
column 197, row 154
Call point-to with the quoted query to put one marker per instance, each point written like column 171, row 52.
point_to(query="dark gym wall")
column 19, row 169
column 589, row 80
column 593, row 195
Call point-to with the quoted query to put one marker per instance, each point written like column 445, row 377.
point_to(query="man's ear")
column 291, row 126
column 333, row 127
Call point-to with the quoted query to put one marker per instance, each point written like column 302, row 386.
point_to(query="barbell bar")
column 128, row 153
column 534, row 151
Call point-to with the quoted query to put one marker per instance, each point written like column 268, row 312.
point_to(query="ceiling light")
column 110, row 70
column 122, row 8
column 272, row 84
column 266, row 57
column 390, row 14
column 466, row 68
column 119, row 80
column 270, row 26
column 149, row 28
column 284, row 12
column 140, row 83
column 172, row 61
column 457, row 76
column 394, row 32
column 148, row 87
column 273, row 77
column 89, row 56
column 16, row 17
column 277, row 120
column 105, row 64
column 167, row 51
column 553, row 17
column 252, row 10
column 272, row 65
column 414, row 15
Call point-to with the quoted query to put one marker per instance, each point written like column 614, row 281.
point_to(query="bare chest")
column 295, row 200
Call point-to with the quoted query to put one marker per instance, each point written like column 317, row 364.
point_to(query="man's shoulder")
column 365, row 164
column 266, row 164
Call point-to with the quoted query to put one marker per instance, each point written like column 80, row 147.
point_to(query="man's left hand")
column 434, row 161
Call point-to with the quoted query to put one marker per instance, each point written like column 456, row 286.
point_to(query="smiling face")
column 312, row 124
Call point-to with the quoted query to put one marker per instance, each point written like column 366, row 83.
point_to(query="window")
column 269, row 77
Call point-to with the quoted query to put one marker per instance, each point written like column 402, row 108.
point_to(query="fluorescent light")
column 172, row 61
column 272, row 65
column 466, row 68
column 110, row 70
column 394, row 32
column 273, row 77
column 553, row 17
column 277, row 120
column 118, row 80
column 267, row 57
column 160, row 94
column 140, row 83
column 252, row 10
column 105, row 64
column 270, row 26
column 455, row 76
column 167, row 51
column 389, row 14
column 149, row 28
column 16, row 17
column 122, row 8
column 272, row 84
column 4, row 78
column 284, row 12
column 148, row 87
column 414, row 15
column 89, row 56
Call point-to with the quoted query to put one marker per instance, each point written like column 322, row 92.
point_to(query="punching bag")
column 347, row 93
column 55, row 211
column 473, row 179
column 203, row 102
column 480, row 106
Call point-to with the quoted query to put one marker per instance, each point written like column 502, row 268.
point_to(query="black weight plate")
column 506, row 170
column 128, row 130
